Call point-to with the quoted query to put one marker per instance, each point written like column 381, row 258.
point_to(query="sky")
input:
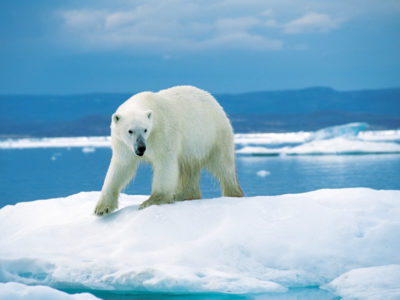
column 223, row 46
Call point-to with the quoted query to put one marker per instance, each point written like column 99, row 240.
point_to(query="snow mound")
column 18, row 291
column 227, row 245
column 381, row 282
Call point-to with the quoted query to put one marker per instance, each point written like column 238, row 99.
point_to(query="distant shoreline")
column 271, row 111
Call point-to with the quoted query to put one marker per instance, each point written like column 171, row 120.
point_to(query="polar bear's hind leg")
column 222, row 165
column 189, row 181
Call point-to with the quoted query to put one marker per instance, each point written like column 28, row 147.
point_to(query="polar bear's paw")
column 156, row 199
column 145, row 204
column 104, row 208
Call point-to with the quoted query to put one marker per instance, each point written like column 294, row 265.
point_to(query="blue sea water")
column 312, row 293
column 31, row 174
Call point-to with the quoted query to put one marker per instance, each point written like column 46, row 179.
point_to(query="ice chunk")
column 381, row 282
column 272, row 138
column 226, row 245
column 342, row 145
column 88, row 149
column 343, row 139
column 263, row 173
column 18, row 291
column 335, row 146
column 350, row 130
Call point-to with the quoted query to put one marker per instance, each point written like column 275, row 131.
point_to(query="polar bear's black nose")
column 140, row 150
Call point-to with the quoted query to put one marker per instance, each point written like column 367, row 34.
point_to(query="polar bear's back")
column 193, row 105
column 189, row 97
column 201, row 120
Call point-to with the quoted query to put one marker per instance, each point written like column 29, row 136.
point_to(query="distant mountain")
column 268, row 111
column 310, row 100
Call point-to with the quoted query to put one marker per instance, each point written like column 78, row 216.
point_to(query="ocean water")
column 291, row 294
column 32, row 174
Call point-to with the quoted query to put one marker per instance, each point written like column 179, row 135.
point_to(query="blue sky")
column 65, row 47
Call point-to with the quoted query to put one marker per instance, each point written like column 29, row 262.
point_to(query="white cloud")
column 311, row 23
column 161, row 28
column 166, row 27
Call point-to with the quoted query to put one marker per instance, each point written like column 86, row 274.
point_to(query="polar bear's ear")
column 116, row 118
column 149, row 114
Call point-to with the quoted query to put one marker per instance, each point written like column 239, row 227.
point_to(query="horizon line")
column 213, row 93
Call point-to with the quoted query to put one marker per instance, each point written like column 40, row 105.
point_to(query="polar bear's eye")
column 145, row 130
column 130, row 131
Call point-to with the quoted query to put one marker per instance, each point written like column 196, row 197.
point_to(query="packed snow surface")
column 350, row 138
column 18, row 291
column 328, row 238
column 382, row 282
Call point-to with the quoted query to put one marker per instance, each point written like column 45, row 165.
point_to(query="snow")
column 226, row 245
column 18, row 291
column 381, row 282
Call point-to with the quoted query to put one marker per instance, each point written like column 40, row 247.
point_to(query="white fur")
column 186, row 130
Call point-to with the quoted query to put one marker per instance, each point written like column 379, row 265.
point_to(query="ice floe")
column 18, row 291
column 344, row 139
column 57, row 142
column 227, row 245
column 352, row 138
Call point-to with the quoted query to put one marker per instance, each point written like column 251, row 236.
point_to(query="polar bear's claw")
column 101, row 210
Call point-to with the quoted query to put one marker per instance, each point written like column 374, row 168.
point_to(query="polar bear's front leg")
column 165, row 182
column 118, row 176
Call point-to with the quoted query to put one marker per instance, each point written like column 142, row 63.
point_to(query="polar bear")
column 178, row 131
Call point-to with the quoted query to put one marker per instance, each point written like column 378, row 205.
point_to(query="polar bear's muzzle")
column 140, row 146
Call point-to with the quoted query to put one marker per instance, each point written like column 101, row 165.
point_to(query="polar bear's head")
column 133, row 128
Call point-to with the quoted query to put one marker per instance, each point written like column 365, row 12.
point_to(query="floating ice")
column 88, row 149
column 343, row 139
column 272, row 138
column 57, row 142
column 18, row 291
column 337, row 145
column 227, row 245
column 263, row 173
column 383, row 135
column 350, row 130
